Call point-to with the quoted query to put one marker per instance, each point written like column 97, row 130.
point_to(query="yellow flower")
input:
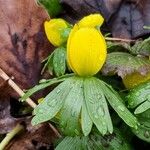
column 92, row 20
column 86, row 47
column 134, row 79
column 53, row 30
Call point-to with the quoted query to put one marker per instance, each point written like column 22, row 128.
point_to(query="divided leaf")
column 40, row 87
column 124, row 63
column 95, row 141
column 73, row 143
column 141, row 47
column 56, row 62
column 86, row 121
column 52, row 103
column 59, row 61
column 143, row 131
column 97, row 106
column 70, row 112
column 140, row 97
column 116, row 103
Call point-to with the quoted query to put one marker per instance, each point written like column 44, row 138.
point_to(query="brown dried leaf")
column 124, row 63
column 23, row 43
column 125, row 18
column 7, row 122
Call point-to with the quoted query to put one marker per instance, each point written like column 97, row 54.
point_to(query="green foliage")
column 79, row 97
column 143, row 132
column 59, row 61
column 44, row 84
column 125, row 63
column 116, row 103
column 97, row 106
column 86, row 107
column 140, row 97
column 141, row 47
column 95, row 141
column 53, row 7
column 52, row 103
column 56, row 62
column 70, row 112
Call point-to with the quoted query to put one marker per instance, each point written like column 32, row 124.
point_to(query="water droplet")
column 96, row 116
column 100, row 111
column 147, row 134
column 89, row 123
column 99, row 96
column 58, row 91
column 122, row 108
column 103, row 123
column 73, row 113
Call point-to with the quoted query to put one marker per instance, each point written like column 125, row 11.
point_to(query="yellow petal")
column 53, row 31
column 134, row 79
column 86, row 51
column 92, row 20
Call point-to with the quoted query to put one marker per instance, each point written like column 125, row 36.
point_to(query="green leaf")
column 143, row 131
column 65, row 32
column 73, row 143
column 59, row 61
column 53, row 7
column 52, row 103
column 86, row 122
column 40, row 87
column 115, row 47
column 141, row 47
column 70, row 112
column 114, row 141
column 97, row 106
column 140, row 97
column 95, row 141
column 116, row 103
column 49, row 63
column 124, row 63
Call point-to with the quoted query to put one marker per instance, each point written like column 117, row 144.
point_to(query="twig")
column 21, row 93
column 10, row 135
column 119, row 39
column 16, row 87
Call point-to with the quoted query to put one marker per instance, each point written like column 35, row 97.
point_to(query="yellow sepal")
column 86, row 51
column 134, row 79
column 92, row 21
column 53, row 30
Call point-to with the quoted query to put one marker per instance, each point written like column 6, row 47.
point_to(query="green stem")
column 10, row 135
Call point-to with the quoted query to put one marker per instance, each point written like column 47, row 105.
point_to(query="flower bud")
column 53, row 30
column 92, row 20
column 86, row 48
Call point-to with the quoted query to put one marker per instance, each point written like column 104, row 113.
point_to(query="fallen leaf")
column 23, row 43
column 125, row 19
column 124, row 63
